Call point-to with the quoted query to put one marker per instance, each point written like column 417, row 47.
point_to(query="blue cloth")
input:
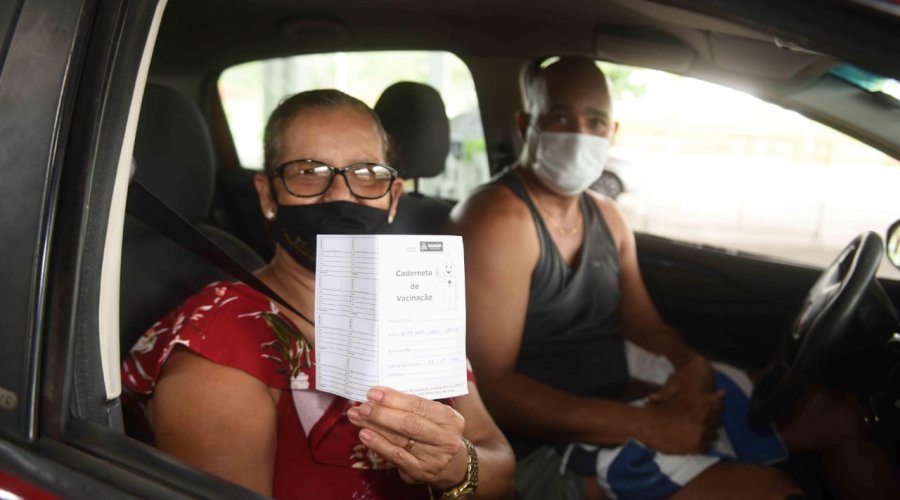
column 751, row 444
column 635, row 471
column 635, row 474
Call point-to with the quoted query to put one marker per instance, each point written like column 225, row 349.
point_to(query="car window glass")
column 699, row 162
column 250, row 91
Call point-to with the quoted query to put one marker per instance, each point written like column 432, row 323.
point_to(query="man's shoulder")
column 490, row 203
column 601, row 200
column 612, row 215
column 493, row 217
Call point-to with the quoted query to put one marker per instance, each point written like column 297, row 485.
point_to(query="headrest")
column 413, row 115
column 173, row 152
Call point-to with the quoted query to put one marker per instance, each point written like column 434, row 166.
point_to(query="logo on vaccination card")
column 431, row 246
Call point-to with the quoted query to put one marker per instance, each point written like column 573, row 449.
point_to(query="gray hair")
column 303, row 102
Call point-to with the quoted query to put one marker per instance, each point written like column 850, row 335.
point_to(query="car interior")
column 193, row 49
column 731, row 304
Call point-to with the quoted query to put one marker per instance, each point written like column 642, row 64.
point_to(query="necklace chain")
column 565, row 231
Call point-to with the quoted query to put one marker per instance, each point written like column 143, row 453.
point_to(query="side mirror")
column 892, row 244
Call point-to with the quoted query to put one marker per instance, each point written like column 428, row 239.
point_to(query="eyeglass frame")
column 279, row 172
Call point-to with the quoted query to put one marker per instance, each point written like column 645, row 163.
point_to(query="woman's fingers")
column 402, row 416
column 399, row 426
column 404, row 460
column 419, row 436
column 420, row 463
column 438, row 413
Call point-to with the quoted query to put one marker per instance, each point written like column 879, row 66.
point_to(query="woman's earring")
column 269, row 215
column 391, row 219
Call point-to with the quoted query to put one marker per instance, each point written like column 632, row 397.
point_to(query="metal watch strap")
column 470, row 482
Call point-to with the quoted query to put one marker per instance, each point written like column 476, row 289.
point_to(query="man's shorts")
column 635, row 471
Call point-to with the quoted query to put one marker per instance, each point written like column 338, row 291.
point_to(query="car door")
column 731, row 306
column 72, row 75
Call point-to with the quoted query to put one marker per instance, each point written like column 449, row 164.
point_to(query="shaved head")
column 566, row 79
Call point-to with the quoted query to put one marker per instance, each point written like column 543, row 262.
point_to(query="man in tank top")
column 560, row 324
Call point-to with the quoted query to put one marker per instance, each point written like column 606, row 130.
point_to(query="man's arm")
column 641, row 322
column 501, row 251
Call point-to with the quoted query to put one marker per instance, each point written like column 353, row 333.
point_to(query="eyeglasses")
column 307, row 178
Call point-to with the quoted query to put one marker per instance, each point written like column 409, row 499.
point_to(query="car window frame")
column 31, row 160
column 67, row 434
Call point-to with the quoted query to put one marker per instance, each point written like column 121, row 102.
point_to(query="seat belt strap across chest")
column 153, row 212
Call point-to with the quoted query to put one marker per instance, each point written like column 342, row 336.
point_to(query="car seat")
column 414, row 117
column 173, row 160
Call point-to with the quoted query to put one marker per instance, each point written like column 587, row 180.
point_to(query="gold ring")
column 409, row 444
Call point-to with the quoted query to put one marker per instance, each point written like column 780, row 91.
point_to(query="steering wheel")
column 819, row 328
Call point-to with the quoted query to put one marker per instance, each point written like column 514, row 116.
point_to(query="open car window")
column 250, row 91
column 703, row 163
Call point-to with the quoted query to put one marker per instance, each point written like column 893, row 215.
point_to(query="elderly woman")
column 227, row 379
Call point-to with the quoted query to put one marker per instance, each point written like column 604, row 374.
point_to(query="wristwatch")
column 470, row 482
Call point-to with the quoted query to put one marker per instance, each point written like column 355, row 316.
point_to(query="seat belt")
column 149, row 209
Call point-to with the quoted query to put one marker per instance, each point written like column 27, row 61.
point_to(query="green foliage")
column 290, row 344
column 472, row 147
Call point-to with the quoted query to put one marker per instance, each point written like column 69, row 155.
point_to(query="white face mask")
column 568, row 163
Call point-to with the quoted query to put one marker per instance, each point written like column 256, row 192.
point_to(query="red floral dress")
column 319, row 454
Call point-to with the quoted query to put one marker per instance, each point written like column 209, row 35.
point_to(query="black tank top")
column 572, row 338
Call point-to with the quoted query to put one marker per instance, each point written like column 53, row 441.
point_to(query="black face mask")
column 297, row 226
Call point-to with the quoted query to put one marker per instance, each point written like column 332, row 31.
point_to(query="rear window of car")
column 251, row 91
column 703, row 163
